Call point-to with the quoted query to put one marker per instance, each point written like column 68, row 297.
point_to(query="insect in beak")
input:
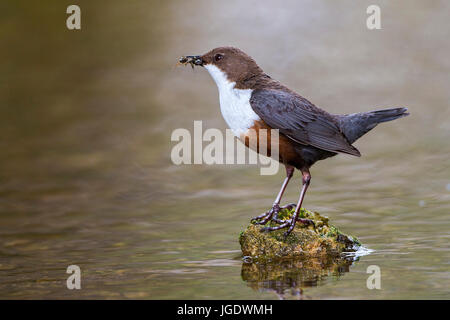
column 192, row 60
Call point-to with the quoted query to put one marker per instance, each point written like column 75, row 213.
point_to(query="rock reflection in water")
column 289, row 277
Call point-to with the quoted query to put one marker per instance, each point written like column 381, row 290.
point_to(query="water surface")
column 86, row 178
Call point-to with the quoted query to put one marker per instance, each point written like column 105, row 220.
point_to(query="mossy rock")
column 306, row 241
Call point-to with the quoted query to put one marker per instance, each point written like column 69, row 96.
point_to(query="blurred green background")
column 85, row 124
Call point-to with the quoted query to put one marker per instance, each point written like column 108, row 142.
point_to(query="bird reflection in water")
column 290, row 277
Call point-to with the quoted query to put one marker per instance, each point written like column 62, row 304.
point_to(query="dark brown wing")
column 300, row 120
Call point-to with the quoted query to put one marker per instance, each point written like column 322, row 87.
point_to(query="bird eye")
column 218, row 57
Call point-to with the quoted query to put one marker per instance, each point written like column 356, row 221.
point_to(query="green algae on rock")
column 306, row 241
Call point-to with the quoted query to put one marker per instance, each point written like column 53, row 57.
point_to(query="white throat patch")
column 234, row 103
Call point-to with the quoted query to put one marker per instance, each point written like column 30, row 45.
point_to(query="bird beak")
column 197, row 60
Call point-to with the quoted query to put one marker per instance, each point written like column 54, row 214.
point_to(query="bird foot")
column 272, row 214
column 289, row 223
column 265, row 217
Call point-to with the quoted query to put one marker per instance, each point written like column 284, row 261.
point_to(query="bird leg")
column 273, row 212
column 291, row 222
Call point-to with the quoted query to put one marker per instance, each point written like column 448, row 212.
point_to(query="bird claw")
column 265, row 217
column 288, row 223
column 272, row 214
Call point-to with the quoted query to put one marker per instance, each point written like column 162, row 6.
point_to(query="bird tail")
column 357, row 124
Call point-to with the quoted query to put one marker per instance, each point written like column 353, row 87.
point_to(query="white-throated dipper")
column 251, row 100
